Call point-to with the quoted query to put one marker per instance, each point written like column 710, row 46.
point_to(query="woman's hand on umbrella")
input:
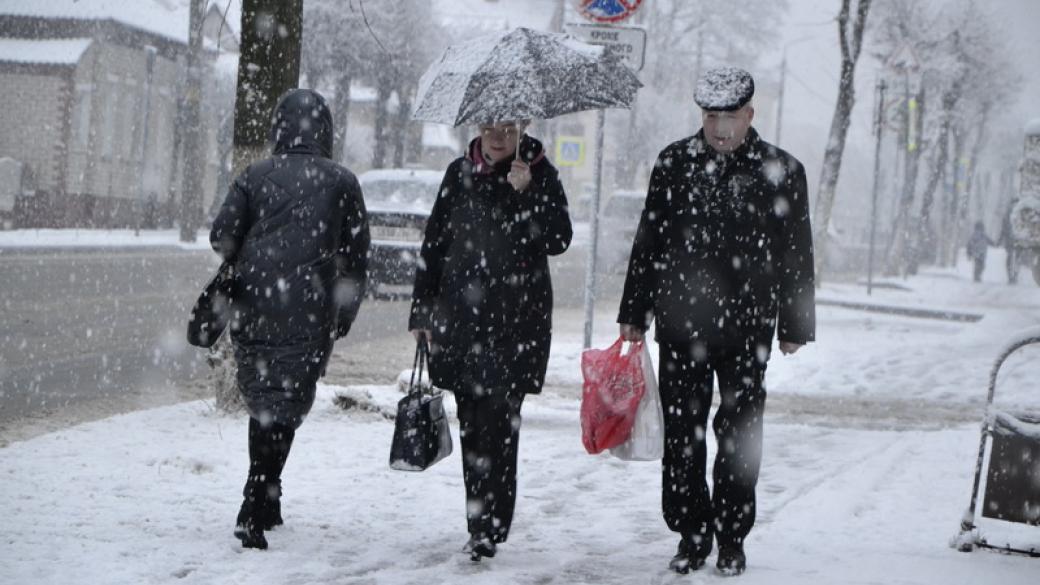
column 519, row 175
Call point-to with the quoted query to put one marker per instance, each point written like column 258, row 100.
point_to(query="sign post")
column 627, row 41
column 630, row 44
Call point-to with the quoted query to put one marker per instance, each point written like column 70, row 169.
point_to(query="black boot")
column 272, row 507
column 690, row 554
column 479, row 547
column 248, row 528
column 732, row 561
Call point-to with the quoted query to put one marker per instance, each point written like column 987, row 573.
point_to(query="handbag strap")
column 421, row 359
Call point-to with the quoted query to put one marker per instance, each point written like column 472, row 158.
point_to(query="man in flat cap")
column 722, row 260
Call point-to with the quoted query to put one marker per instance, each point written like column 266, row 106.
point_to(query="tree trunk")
column 969, row 182
column 341, row 111
column 947, row 231
column 379, row 151
column 401, row 134
column 191, row 185
column 923, row 224
column 898, row 257
column 268, row 66
column 851, row 40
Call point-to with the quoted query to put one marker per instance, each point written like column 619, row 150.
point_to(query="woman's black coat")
column 482, row 287
column 294, row 226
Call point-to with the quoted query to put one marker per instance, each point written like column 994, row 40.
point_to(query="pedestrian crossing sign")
column 570, row 151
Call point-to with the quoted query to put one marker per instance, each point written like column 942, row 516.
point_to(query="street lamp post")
column 780, row 97
column 783, row 83
column 878, row 129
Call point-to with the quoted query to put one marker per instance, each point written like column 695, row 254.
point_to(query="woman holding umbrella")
column 483, row 301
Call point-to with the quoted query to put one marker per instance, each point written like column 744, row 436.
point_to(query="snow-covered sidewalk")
column 853, row 489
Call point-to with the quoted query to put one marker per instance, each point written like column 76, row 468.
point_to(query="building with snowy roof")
column 91, row 91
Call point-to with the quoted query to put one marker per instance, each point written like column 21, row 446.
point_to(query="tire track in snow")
column 836, row 472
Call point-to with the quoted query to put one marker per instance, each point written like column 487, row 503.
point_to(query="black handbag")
column 421, row 433
column 212, row 310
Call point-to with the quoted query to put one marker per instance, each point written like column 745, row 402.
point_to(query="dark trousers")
column 489, row 430
column 980, row 266
column 727, row 511
column 269, row 446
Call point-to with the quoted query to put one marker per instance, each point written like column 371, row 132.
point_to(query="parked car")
column 399, row 202
column 618, row 221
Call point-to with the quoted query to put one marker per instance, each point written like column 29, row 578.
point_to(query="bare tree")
column 190, row 120
column 688, row 36
column 964, row 75
column 850, row 36
column 335, row 48
column 269, row 66
column 905, row 25
column 384, row 44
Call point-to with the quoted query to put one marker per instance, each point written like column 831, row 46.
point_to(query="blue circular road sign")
column 608, row 10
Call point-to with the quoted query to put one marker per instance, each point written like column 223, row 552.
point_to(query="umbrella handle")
column 519, row 135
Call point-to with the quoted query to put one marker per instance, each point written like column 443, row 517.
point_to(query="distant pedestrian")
column 977, row 248
column 1007, row 239
column 722, row 260
column 295, row 228
column 483, row 299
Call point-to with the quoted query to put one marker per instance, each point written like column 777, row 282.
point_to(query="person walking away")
column 483, row 300
column 294, row 225
column 977, row 248
column 1007, row 239
column 722, row 259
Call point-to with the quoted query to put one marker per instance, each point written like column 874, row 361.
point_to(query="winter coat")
column 482, row 287
column 723, row 252
column 978, row 245
column 294, row 226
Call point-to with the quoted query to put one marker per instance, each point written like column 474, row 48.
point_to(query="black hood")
column 302, row 123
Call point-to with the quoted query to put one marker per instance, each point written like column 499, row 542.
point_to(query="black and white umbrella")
column 522, row 74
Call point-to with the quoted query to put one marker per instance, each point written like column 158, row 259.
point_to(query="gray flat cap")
column 724, row 88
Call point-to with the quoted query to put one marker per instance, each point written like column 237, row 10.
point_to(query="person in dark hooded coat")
column 295, row 228
column 483, row 300
column 977, row 249
column 722, row 260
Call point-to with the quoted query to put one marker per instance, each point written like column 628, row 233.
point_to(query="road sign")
column 608, row 10
column 905, row 58
column 627, row 41
column 570, row 151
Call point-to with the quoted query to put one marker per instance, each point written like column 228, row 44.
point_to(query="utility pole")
column 191, row 183
column 783, row 84
column 878, row 131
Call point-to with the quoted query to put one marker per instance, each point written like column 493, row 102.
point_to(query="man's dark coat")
column 723, row 253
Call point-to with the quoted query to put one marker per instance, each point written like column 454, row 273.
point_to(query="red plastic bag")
column 613, row 386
